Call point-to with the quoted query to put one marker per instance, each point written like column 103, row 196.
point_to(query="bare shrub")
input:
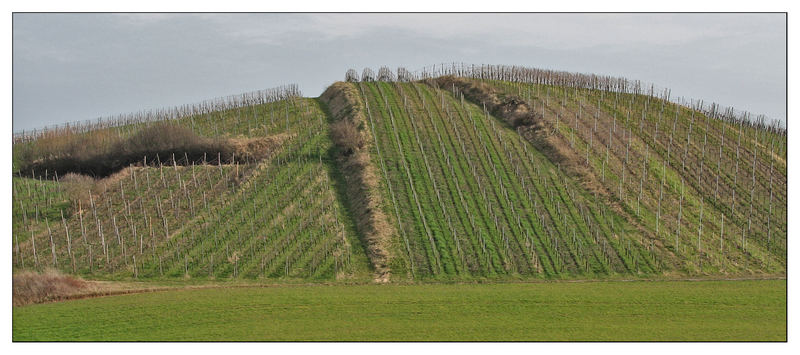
column 32, row 287
column 98, row 154
column 351, row 76
column 69, row 144
column 77, row 187
column 517, row 113
column 167, row 138
column 345, row 135
column 256, row 149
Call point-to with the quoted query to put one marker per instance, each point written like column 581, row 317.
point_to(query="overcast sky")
column 70, row 67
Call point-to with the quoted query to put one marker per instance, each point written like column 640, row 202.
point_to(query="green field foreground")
column 554, row 311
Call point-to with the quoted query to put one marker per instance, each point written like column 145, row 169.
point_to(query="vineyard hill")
column 468, row 173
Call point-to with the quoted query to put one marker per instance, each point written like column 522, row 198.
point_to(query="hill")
column 212, row 218
column 461, row 174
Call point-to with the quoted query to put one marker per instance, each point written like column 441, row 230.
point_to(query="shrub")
column 100, row 154
column 32, row 287
column 77, row 187
column 345, row 135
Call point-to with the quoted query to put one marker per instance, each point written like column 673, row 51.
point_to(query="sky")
column 72, row 67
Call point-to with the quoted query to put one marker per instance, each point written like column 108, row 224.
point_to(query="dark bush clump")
column 100, row 153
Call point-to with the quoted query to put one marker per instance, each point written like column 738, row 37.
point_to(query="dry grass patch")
column 363, row 184
column 345, row 135
column 51, row 285
column 30, row 287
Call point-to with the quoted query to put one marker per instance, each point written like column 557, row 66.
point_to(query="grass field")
column 591, row 311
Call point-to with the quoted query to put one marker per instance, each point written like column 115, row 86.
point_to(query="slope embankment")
column 362, row 181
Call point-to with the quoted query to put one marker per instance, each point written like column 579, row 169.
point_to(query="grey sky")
column 70, row 67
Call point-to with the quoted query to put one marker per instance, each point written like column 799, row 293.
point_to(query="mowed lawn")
column 555, row 311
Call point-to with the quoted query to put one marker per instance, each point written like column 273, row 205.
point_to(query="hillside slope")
column 713, row 191
column 278, row 217
column 471, row 198
column 484, row 173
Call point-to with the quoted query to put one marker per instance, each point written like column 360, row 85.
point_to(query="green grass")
column 684, row 148
column 484, row 202
column 284, row 222
column 35, row 201
column 593, row 311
